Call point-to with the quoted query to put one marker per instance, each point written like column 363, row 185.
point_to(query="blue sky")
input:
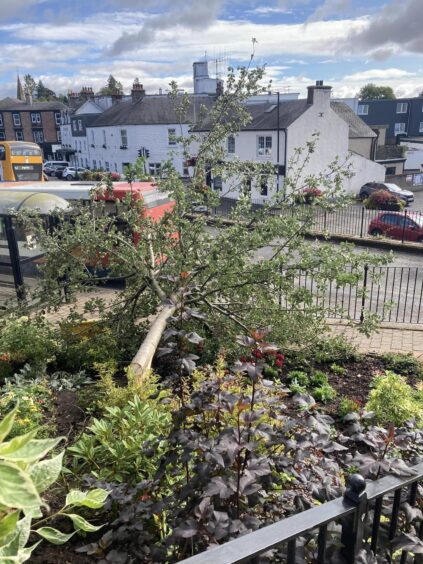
column 346, row 43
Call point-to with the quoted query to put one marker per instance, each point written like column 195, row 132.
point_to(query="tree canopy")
column 371, row 91
column 111, row 87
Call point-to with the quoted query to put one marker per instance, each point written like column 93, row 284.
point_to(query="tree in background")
column 29, row 85
column 112, row 86
column 43, row 93
column 373, row 92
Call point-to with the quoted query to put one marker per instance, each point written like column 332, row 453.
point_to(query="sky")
column 345, row 43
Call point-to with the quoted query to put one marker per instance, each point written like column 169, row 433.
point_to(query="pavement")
column 389, row 338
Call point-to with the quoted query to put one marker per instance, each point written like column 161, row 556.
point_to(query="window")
column 16, row 120
column 58, row 135
column 154, row 168
column 390, row 170
column 80, row 124
column 86, row 162
column 399, row 128
column 99, row 164
column 74, row 125
column 19, row 135
column 402, row 107
column 38, row 136
column 171, row 135
column 2, row 136
column 264, row 146
column 217, row 183
column 391, row 219
column 421, row 127
column 104, row 137
column 57, row 118
column 116, row 169
column 94, row 164
column 263, row 188
column 124, row 167
column 185, row 171
column 247, row 184
column 1, row 120
column 123, row 138
column 92, row 138
column 363, row 110
column 36, row 119
column 106, row 164
column 231, row 144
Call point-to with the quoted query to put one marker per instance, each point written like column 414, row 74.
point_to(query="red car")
column 397, row 225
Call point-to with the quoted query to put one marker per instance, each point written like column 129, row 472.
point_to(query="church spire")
column 20, row 94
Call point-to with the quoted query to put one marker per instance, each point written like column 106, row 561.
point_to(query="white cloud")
column 384, row 74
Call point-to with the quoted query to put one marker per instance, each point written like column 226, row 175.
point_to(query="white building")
column 342, row 135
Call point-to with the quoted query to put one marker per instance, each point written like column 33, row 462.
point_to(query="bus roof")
column 146, row 191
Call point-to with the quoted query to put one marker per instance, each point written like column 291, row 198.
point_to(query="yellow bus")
column 20, row 161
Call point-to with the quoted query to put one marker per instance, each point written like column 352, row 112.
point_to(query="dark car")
column 370, row 187
column 55, row 168
column 397, row 225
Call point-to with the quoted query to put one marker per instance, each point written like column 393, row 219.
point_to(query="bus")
column 20, row 161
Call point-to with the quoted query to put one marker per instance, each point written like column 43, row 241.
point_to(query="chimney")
column 116, row 96
column 137, row 92
column 86, row 93
column 319, row 94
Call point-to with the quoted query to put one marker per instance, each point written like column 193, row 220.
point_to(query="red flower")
column 279, row 363
column 257, row 353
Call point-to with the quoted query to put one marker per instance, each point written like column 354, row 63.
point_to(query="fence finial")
column 355, row 488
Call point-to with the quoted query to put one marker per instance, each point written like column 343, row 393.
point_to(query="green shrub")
column 404, row 364
column 319, row 378
column 347, row 405
column 296, row 388
column 270, row 372
column 298, row 376
column 112, row 447
column 35, row 406
column 393, row 400
column 25, row 474
column 338, row 370
column 29, row 340
column 324, row 393
column 334, row 349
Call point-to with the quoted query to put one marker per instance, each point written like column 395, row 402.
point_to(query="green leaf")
column 16, row 443
column 94, row 499
column 24, row 530
column 16, row 488
column 7, row 423
column 82, row 524
column 53, row 535
column 25, row 553
column 33, row 451
column 46, row 472
column 8, row 526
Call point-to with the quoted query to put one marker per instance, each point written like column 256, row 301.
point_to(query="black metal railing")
column 351, row 221
column 392, row 293
column 363, row 504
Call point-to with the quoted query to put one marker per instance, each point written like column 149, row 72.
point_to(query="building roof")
column 357, row 127
column 13, row 104
column 149, row 110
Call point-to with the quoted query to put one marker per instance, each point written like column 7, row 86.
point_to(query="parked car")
column 72, row 173
column 370, row 187
column 54, row 168
column 397, row 225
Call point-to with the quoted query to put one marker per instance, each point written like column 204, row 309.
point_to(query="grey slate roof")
column 150, row 110
column 13, row 104
column 357, row 126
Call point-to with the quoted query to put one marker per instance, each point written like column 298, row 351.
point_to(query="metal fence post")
column 362, row 222
column 352, row 526
column 403, row 226
column 14, row 257
column 363, row 297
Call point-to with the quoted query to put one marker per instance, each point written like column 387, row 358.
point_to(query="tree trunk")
column 141, row 362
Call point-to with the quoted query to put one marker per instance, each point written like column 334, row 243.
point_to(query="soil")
column 70, row 418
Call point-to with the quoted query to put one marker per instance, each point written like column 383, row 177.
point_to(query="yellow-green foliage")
column 394, row 401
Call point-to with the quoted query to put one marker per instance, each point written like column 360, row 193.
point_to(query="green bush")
column 296, row 388
column 35, row 406
column 33, row 341
column 298, row 376
column 324, row 393
column 347, row 405
column 404, row 364
column 112, row 447
column 393, row 400
column 25, row 474
column 335, row 349
column 338, row 370
column 318, row 378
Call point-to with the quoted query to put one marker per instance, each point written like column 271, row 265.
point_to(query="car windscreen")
column 393, row 187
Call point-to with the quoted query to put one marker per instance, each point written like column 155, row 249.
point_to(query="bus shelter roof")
column 12, row 201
